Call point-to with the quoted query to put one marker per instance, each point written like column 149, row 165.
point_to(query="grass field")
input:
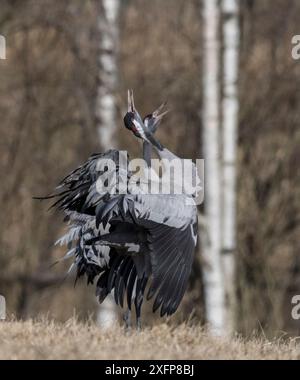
column 45, row 339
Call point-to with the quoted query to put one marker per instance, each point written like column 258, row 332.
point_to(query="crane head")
column 153, row 120
column 149, row 124
column 132, row 119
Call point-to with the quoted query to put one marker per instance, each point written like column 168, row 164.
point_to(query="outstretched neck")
column 147, row 152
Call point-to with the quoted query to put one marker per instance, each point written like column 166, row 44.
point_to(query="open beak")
column 131, row 107
column 158, row 114
column 154, row 119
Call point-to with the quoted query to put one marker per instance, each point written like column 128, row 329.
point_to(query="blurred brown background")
column 48, row 86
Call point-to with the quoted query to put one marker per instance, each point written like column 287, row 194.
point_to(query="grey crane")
column 133, row 241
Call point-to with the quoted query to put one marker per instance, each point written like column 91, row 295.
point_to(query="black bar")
column 154, row 368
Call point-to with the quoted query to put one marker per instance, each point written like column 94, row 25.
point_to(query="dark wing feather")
column 122, row 281
column 171, row 249
column 130, row 286
column 77, row 191
column 171, row 267
column 119, row 277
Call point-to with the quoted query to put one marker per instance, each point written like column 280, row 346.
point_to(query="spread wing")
column 171, row 242
column 81, row 191
column 78, row 195
column 172, row 253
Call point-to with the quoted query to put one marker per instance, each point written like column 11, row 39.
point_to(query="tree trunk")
column 2, row 47
column 2, row 308
column 108, row 24
column 213, row 278
column 230, row 107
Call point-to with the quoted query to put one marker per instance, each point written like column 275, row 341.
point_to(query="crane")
column 128, row 242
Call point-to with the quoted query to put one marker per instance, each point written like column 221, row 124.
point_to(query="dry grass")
column 43, row 339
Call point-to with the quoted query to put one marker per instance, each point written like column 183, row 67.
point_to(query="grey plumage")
column 129, row 242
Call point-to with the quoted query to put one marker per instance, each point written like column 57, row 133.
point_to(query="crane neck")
column 147, row 152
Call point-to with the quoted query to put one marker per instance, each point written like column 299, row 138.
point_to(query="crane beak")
column 158, row 114
column 156, row 117
column 130, row 100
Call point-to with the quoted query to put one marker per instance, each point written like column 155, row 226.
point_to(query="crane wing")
column 172, row 252
column 80, row 190
column 171, row 242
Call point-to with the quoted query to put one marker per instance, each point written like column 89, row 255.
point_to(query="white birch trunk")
column 2, row 47
column 213, row 279
column 108, row 25
column 2, row 308
column 230, row 107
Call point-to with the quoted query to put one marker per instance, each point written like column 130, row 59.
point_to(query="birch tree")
column 108, row 72
column 213, row 278
column 108, row 26
column 2, row 308
column 230, row 107
column 2, row 47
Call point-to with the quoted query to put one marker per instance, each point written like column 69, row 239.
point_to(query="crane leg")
column 138, row 307
column 138, row 324
column 127, row 319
